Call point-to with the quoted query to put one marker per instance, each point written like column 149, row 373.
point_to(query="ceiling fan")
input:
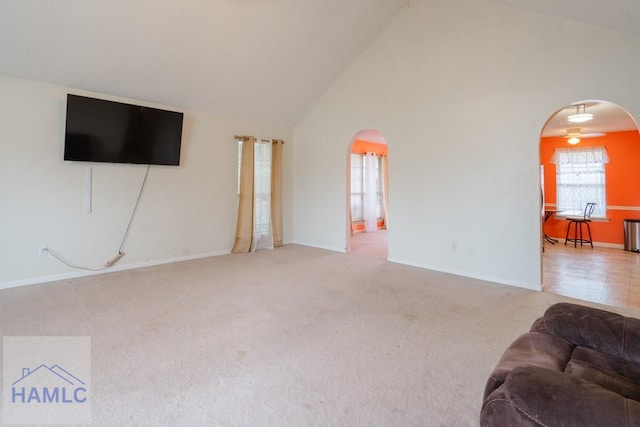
column 574, row 135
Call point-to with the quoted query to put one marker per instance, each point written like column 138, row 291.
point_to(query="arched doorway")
column 591, row 160
column 367, row 194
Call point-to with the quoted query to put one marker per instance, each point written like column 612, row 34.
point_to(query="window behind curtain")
column 358, row 171
column 378, row 172
column 580, row 179
column 239, row 163
column 262, row 235
column 262, row 190
column 357, row 187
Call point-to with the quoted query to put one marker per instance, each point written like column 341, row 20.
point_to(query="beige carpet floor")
column 292, row 337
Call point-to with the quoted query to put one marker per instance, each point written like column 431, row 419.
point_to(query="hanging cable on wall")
column 121, row 252
column 135, row 208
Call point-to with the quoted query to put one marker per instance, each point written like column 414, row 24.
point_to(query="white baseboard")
column 492, row 279
column 311, row 245
column 119, row 267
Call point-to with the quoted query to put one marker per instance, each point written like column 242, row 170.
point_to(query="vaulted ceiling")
column 265, row 60
column 618, row 15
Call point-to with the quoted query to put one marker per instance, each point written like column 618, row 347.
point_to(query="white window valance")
column 582, row 155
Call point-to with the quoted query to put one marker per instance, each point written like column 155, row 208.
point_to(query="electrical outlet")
column 454, row 246
column 44, row 250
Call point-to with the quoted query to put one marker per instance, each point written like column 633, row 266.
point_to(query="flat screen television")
column 98, row 130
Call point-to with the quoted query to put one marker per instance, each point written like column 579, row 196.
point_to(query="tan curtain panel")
column 276, row 191
column 244, row 225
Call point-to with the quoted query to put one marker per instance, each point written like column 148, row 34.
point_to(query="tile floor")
column 602, row 275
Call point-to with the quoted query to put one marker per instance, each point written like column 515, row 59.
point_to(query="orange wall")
column 622, row 177
column 358, row 226
column 360, row 147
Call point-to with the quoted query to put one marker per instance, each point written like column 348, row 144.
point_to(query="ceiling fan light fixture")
column 573, row 140
column 580, row 116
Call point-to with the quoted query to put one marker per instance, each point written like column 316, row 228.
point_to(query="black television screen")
column 98, row 130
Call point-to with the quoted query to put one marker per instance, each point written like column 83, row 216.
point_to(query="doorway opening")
column 367, row 195
column 591, row 160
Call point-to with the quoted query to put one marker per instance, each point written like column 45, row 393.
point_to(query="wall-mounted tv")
column 98, row 130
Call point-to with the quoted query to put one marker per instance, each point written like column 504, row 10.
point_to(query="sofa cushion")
column 531, row 349
column 533, row 396
column 616, row 374
column 598, row 329
column 539, row 326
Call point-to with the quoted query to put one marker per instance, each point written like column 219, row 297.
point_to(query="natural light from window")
column 581, row 179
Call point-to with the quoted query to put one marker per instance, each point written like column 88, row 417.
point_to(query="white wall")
column 185, row 212
column 460, row 89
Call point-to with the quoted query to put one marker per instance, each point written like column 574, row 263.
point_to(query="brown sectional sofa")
column 577, row 366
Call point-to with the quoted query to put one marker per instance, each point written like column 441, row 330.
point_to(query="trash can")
column 632, row 235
